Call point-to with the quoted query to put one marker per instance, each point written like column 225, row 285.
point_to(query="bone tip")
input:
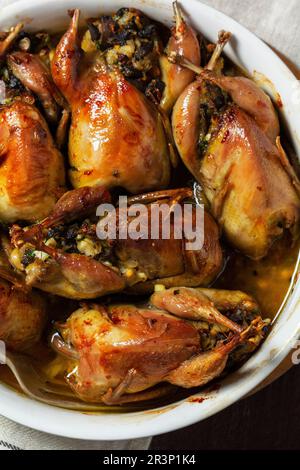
column 74, row 14
column 19, row 27
column 224, row 36
column 177, row 9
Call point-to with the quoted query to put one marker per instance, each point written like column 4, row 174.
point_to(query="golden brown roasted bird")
column 116, row 353
column 116, row 136
column 226, row 131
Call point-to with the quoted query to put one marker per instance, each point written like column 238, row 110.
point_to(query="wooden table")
column 270, row 420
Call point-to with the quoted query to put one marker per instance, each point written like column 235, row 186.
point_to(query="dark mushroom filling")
column 130, row 41
column 214, row 102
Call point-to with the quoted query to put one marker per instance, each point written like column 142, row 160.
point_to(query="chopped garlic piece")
column 51, row 242
column 108, row 264
column 128, row 48
column 16, row 259
column 129, row 272
column 41, row 255
column 89, row 247
column 159, row 288
column 87, row 44
column 51, row 54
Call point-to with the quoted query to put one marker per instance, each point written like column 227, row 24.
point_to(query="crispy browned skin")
column 116, row 136
column 184, row 42
column 70, row 275
column 78, row 276
column 252, row 195
column 32, row 169
column 22, row 317
column 115, row 340
column 29, row 69
column 76, row 204
column 194, row 304
column 119, row 351
column 205, row 367
column 252, row 99
column 167, row 261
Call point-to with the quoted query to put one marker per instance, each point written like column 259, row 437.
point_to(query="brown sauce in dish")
column 267, row 280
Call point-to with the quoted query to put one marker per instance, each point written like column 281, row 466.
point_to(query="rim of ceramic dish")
column 121, row 425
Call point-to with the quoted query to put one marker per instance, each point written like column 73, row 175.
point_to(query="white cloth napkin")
column 275, row 21
column 13, row 436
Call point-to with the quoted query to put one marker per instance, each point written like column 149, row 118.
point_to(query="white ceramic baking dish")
column 252, row 54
